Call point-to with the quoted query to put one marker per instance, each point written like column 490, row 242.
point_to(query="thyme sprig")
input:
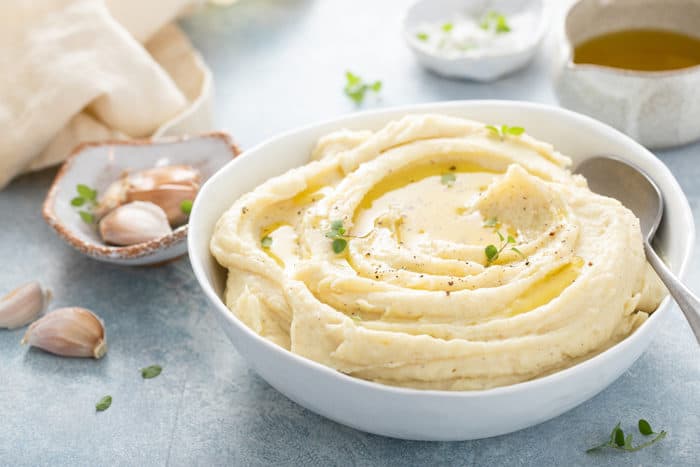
column 492, row 251
column 620, row 442
column 505, row 130
column 337, row 233
column 494, row 21
column 340, row 236
column 356, row 88
column 85, row 201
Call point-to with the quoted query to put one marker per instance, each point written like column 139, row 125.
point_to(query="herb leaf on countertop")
column 103, row 404
column 645, row 427
column 620, row 442
column 356, row 88
column 151, row 371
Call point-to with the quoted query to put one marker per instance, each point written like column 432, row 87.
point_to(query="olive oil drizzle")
column 640, row 50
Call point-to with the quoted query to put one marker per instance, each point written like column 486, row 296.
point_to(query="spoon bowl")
column 631, row 186
column 628, row 184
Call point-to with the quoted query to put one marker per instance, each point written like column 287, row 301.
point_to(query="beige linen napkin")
column 79, row 70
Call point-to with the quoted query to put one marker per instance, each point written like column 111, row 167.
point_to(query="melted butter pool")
column 547, row 288
column 284, row 248
column 431, row 200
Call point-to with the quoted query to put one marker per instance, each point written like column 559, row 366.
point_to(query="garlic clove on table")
column 135, row 222
column 169, row 197
column 22, row 305
column 69, row 332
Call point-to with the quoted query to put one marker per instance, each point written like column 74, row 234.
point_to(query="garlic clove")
column 169, row 198
column 116, row 194
column 69, row 332
column 22, row 305
column 166, row 175
column 135, row 222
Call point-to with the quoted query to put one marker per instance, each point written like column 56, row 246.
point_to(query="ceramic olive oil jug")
column 651, row 89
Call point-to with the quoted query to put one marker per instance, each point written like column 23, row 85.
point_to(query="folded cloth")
column 79, row 70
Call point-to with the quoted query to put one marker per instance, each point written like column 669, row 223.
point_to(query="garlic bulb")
column 70, row 332
column 169, row 197
column 116, row 194
column 22, row 305
column 135, row 222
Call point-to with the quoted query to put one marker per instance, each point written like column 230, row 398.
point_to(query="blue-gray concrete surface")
column 278, row 65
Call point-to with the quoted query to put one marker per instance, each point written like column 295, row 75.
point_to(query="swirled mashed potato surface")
column 415, row 298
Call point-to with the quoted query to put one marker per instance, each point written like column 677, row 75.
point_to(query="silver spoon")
column 636, row 190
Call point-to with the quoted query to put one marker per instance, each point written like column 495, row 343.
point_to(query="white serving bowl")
column 476, row 64
column 429, row 414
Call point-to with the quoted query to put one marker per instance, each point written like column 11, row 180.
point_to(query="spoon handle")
column 687, row 301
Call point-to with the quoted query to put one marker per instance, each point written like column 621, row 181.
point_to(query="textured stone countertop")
column 279, row 65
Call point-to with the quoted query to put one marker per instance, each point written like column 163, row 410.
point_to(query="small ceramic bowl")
column 99, row 164
column 656, row 108
column 476, row 64
column 431, row 414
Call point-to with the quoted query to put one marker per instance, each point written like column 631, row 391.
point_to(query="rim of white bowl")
column 640, row 333
column 478, row 54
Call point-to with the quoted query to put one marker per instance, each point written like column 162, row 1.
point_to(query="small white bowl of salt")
column 481, row 40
